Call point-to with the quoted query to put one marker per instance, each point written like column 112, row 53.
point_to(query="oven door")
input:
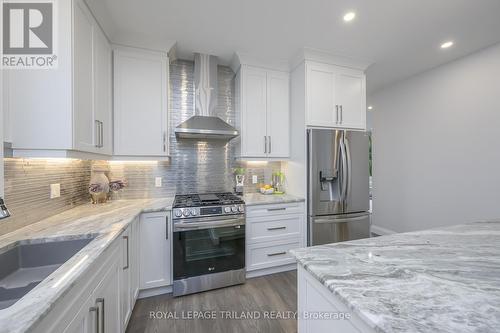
column 208, row 246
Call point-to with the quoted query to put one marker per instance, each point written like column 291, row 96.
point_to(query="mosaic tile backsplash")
column 195, row 166
column 27, row 189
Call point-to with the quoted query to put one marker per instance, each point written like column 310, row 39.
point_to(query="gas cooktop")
column 206, row 199
column 207, row 204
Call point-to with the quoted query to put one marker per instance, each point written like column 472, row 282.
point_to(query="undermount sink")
column 26, row 265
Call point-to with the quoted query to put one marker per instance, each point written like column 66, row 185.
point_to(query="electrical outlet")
column 55, row 191
column 158, row 181
column 255, row 179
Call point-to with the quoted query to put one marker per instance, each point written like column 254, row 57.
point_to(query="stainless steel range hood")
column 205, row 125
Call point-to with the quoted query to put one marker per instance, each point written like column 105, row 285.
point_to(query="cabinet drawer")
column 275, row 209
column 266, row 255
column 274, row 227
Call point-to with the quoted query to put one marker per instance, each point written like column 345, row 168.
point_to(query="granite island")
column 438, row 280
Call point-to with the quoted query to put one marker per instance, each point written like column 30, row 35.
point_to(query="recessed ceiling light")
column 349, row 16
column 370, row 107
column 446, row 45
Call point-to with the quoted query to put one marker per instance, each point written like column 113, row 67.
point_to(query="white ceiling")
column 400, row 37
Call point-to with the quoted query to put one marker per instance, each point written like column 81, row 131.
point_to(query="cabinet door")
column 126, row 278
column 85, row 319
column 155, row 251
column 134, row 259
column 278, row 114
column 83, row 69
column 107, row 300
column 253, row 118
column 320, row 95
column 102, row 93
column 140, row 108
column 352, row 98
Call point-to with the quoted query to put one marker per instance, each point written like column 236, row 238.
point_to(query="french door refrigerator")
column 338, row 186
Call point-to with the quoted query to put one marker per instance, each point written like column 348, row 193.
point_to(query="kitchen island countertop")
column 437, row 280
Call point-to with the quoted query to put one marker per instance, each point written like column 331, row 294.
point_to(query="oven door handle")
column 186, row 226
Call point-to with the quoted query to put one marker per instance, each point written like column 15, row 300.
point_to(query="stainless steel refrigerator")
column 338, row 186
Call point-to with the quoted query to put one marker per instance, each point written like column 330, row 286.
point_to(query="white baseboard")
column 271, row 270
column 381, row 231
column 154, row 292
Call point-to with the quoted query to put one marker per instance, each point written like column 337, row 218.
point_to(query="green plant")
column 239, row 171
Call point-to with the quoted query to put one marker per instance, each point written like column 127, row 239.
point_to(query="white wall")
column 437, row 146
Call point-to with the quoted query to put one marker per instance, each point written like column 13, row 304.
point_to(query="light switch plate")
column 158, row 181
column 255, row 180
column 55, row 191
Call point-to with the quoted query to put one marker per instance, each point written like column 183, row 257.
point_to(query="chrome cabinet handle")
column 164, row 141
column 276, row 254
column 126, row 266
column 269, row 144
column 336, row 114
column 101, row 322
column 341, row 114
column 97, row 133
column 102, row 134
column 96, row 310
column 276, row 228
column 265, row 144
column 275, row 209
column 166, row 228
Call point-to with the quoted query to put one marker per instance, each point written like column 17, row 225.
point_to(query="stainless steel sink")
column 26, row 265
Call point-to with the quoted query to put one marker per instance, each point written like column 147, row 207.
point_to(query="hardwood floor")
column 267, row 296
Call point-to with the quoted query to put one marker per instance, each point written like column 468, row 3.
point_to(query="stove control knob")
column 178, row 213
column 241, row 209
column 193, row 212
column 227, row 210
column 234, row 209
column 186, row 212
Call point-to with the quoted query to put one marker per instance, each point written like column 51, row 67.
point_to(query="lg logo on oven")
column 28, row 35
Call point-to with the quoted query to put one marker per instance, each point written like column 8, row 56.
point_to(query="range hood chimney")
column 204, row 124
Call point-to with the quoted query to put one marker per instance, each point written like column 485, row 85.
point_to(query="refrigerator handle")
column 348, row 169
column 343, row 177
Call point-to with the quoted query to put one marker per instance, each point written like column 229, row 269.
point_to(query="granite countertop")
column 252, row 199
column 437, row 280
column 105, row 222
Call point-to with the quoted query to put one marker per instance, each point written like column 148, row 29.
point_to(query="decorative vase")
column 99, row 187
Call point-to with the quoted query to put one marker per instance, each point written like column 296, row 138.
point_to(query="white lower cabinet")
column 102, row 299
column 129, row 283
column 273, row 230
column 155, row 252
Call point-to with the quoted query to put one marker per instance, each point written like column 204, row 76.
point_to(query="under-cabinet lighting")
column 145, row 162
column 370, row 107
column 256, row 162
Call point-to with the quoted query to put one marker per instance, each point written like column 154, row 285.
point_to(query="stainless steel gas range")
column 208, row 242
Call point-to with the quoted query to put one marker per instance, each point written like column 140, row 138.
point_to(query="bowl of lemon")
column 267, row 189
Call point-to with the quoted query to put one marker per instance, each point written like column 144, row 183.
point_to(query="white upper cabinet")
column 278, row 115
column 321, row 99
column 335, row 96
column 103, row 92
column 263, row 97
column 83, row 94
column 351, row 98
column 141, row 102
column 63, row 111
column 254, row 113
